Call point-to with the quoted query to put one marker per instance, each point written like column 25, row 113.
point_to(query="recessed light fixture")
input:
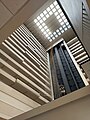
column 55, row 10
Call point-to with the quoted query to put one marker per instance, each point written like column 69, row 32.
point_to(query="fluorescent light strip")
column 53, row 9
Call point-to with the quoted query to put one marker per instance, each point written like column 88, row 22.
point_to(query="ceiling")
column 50, row 16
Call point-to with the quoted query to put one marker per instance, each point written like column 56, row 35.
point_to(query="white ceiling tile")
column 5, row 15
column 14, row 5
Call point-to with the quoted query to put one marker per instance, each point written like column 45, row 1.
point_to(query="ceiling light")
column 51, row 6
column 57, row 7
column 55, row 3
column 38, row 17
column 41, row 14
column 48, row 9
column 35, row 20
column 45, row 12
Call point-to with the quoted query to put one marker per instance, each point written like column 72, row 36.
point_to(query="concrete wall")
column 73, row 9
column 14, row 12
column 74, row 106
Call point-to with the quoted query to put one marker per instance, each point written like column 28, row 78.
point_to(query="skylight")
column 52, row 9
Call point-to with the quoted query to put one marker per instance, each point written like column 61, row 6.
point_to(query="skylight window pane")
column 50, row 40
column 63, row 26
column 50, row 12
column 65, row 20
column 57, row 30
column 59, row 10
column 54, row 10
column 60, row 20
column 54, row 33
column 43, row 24
column 41, row 14
column 62, row 14
column 67, row 23
column 55, row 3
column 45, row 12
column 48, row 9
column 38, row 17
column 41, row 21
column 60, row 28
column 47, row 30
column 35, row 20
column 45, row 27
column 59, row 33
column 44, row 18
column 58, row 17
column 62, row 31
column 38, row 24
column 65, row 29
column 47, row 16
column 69, row 26
column 51, row 6
column 46, row 35
column 62, row 23
column 56, row 13
column 49, row 33
column 56, row 36
column 63, row 17
column 57, row 7
column 53, row 38
column 42, row 30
